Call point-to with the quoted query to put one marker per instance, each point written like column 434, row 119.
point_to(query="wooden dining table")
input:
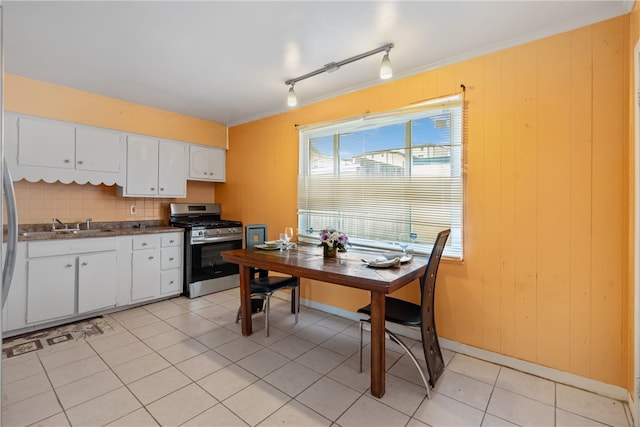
column 347, row 269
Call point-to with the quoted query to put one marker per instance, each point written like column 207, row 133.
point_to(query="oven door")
column 205, row 270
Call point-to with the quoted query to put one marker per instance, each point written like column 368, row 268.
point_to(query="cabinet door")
column 97, row 281
column 98, row 150
column 142, row 166
column 145, row 274
column 46, row 143
column 198, row 162
column 51, row 288
column 15, row 309
column 218, row 163
column 172, row 169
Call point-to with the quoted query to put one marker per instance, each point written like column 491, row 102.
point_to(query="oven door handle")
column 215, row 240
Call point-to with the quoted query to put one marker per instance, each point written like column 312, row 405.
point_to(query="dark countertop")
column 37, row 232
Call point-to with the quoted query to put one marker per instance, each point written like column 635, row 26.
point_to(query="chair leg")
column 360, row 348
column 296, row 295
column 238, row 315
column 267, row 310
column 398, row 341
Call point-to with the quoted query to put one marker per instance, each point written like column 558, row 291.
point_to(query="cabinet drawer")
column 171, row 257
column 172, row 239
column 148, row 241
column 171, row 281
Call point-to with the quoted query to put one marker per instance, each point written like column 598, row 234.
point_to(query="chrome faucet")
column 88, row 222
column 53, row 225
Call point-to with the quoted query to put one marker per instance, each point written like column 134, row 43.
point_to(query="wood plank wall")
column 545, row 275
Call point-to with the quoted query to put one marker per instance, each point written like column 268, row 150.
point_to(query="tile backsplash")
column 39, row 202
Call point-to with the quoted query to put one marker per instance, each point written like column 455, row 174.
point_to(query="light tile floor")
column 184, row 362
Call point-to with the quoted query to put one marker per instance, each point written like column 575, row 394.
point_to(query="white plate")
column 267, row 248
column 405, row 258
column 383, row 263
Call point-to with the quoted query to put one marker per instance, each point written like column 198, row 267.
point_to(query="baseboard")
column 604, row 389
column 631, row 413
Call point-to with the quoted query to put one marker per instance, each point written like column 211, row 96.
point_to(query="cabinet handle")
column 85, row 263
column 171, row 282
column 80, row 162
column 69, row 265
column 171, row 259
column 153, row 189
column 171, row 241
column 67, row 161
column 151, row 257
column 161, row 188
column 144, row 243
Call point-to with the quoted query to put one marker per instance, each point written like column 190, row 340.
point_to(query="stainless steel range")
column 206, row 236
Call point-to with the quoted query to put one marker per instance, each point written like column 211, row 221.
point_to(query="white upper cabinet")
column 53, row 150
column 172, row 170
column 207, row 163
column 46, row 143
column 94, row 150
column 141, row 166
column 155, row 168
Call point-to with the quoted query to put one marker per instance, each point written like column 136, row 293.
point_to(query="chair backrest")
column 430, row 345
column 255, row 234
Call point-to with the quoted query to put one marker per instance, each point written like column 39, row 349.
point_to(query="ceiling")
column 227, row 61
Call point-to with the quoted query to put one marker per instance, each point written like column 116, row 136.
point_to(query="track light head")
column 386, row 72
column 292, row 100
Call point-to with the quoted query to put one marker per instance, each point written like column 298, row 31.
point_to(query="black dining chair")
column 409, row 314
column 263, row 285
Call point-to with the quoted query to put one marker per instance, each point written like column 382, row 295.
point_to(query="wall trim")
column 598, row 387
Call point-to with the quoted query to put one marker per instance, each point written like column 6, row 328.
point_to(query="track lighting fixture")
column 292, row 101
column 385, row 70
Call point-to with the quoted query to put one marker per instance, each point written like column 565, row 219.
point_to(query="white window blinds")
column 381, row 177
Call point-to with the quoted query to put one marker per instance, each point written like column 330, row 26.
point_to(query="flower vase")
column 330, row 252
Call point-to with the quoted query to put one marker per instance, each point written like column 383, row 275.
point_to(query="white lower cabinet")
column 51, row 288
column 171, row 264
column 156, row 267
column 145, row 267
column 70, row 277
column 57, row 281
column 14, row 312
column 97, row 281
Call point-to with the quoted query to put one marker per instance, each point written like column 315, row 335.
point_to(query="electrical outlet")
column 132, row 209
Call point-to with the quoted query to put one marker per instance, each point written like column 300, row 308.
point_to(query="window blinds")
column 380, row 177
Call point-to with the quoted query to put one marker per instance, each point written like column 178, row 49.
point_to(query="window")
column 384, row 176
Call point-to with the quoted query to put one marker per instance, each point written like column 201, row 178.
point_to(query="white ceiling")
column 227, row 61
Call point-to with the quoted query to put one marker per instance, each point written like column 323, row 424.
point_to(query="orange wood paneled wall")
column 39, row 202
column 28, row 96
column 545, row 272
column 632, row 303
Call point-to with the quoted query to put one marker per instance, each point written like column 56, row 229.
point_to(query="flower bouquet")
column 333, row 241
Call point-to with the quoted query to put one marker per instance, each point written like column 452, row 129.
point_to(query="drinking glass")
column 285, row 241
column 403, row 242
column 288, row 232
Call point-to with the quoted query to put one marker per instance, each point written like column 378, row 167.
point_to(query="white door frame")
column 636, row 269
